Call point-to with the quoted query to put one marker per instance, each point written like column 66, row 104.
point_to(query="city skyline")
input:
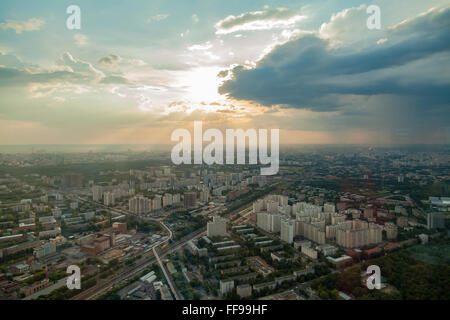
column 135, row 72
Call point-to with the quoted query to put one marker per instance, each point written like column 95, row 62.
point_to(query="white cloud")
column 186, row 33
column 13, row 61
column 259, row 20
column 200, row 47
column 348, row 28
column 32, row 24
column 345, row 26
column 81, row 40
column 158, row 17
column 85, row 69
column 114, row 62
column 136, row 62
column 424, row 20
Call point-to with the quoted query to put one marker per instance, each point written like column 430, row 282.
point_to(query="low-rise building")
column 265, row 285
column 226, row 286
column 45, row 250
column 423, row 238
column 244, row 290
column 29, row 290
column 309, row 252
column 341, row 262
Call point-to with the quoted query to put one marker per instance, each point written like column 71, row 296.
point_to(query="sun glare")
column 202, row 84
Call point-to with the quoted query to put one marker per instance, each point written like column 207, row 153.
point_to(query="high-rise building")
column 337, row 218
column 314, row 231
column 402, row 222
column 109, row 199
column 391, row 230
column 369, row 212
column 204, row 196
column 435, row 220
column 71, row 180
column 226, row 286
column 157, row 202
column 97, row 193
column 167, row 200
column 357, row 233
column 275, row 223
column 176, row 198
column 287, row 230
column 330, row 231
column 190, row 199
column 140, row 205
column 272, row 206
column 263, row 221
column 217, row 227
column 270, row 222
column 329, row 207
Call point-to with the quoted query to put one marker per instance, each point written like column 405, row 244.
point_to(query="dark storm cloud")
column 306, row 73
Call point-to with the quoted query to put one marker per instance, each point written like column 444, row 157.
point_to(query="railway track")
column 105, row 285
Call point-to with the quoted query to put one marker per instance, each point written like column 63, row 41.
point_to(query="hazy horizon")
column 84, row 148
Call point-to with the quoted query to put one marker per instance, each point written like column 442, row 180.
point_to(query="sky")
column 137, row 70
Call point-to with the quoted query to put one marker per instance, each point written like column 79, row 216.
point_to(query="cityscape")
column 141, row 228
column 213, row 158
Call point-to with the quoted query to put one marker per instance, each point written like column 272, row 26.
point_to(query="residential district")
column 140, row 228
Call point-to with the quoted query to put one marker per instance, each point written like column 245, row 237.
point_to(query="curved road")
column 107, row 284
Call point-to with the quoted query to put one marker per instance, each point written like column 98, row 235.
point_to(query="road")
column 104, row 285
column 107, row 284
column 168, row 278
column 129, row 272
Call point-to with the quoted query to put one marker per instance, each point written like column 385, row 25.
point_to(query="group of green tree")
column 411, row 280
